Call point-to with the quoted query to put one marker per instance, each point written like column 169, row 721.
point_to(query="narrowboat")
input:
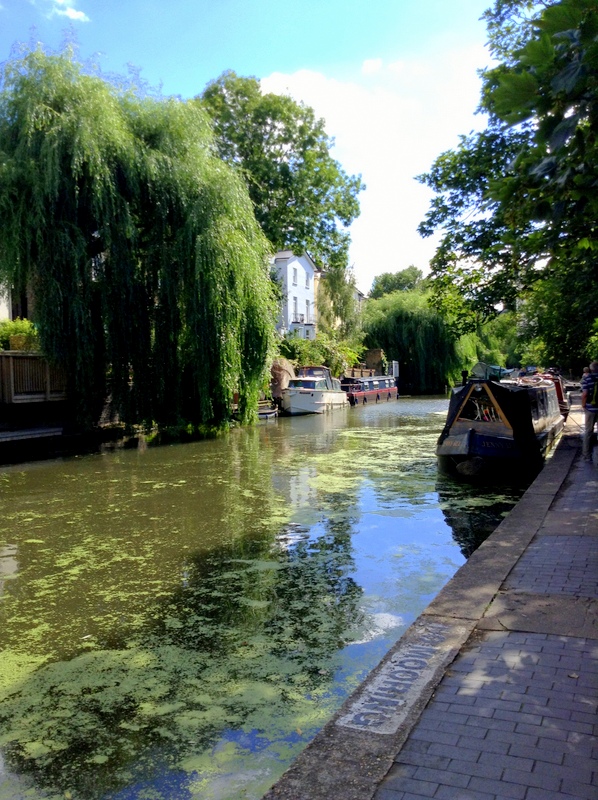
column 562, row 394
column 508, row 425
column 313, row 391
column 372, row 389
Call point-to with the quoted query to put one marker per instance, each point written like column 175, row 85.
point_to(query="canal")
column 178, row 622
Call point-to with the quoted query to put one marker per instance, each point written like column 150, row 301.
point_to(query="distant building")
column 5, row 305
column 299, row 277
column 359, row 298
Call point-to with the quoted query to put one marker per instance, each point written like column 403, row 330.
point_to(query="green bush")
column 325, row 350
column 18, row 327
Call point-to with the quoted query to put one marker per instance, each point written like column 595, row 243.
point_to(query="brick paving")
column 515, row 716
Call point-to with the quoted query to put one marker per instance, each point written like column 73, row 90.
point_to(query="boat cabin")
column 370, row 388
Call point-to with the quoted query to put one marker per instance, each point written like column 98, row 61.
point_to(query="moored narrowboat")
column 371, row 389
column 506, row 425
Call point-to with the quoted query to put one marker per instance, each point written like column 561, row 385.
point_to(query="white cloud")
column 371, row 66
column 65, row 8
column 389, row 124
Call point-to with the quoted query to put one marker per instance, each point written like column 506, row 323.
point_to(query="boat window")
column 479, row 408
column 533, row 400
column 301, row 383
column 321, row 384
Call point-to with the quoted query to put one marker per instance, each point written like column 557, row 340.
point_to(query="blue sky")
column 395, row 80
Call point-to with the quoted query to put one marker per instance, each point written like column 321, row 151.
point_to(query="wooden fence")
column 27, row 377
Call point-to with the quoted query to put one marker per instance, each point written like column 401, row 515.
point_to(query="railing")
column 360, row 372
column 301, row 319
column 27, row 377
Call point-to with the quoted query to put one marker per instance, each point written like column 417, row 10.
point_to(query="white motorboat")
column 313, row 391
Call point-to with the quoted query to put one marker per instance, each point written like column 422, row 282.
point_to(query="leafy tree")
column 409, row 331
column 302, row 197
column 517, row 203
column 404, row 280
column 139, row 244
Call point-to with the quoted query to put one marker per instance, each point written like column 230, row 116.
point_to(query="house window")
column 294, row 276
column 295, row 309
column 307, row 319
column 307, row 280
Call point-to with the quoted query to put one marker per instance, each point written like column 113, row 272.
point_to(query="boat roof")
column 312, row 371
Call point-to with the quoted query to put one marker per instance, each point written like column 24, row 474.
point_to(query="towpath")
column 493, row 692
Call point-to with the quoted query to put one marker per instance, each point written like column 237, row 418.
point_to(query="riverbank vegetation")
column 430, row 351
column 140, row 246
column 147, row 253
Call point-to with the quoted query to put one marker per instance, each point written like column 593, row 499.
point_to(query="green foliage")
column 327, row 349
column 404, row 280
column 409, row 331
column 303, row 199
column 338, row 314
column 509, row 25
column 592, row 349
column 18, row 327
column 430, row 351
column 139, row 244
column 516, row 204
column 495, row 342
column 480, row 261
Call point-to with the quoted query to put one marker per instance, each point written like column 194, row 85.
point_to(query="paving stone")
column 450, row 793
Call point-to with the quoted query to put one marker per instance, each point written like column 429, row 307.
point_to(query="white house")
column 5, row 304
column 298, row 276
column 15, row 304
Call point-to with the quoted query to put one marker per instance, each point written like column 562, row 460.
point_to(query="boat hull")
column 373, row 396
column 296, row 402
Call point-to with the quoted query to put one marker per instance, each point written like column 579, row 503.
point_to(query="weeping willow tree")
column 409, row 331
column 139, row 246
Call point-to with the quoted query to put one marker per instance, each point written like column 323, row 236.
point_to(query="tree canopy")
column 140, row 246
column 303, row 198
column 401, row 281
column 516, row 203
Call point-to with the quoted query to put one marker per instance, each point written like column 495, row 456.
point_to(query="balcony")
column 301, row 319
column 27, row 377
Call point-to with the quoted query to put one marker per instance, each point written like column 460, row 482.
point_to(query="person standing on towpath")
column 589, row 403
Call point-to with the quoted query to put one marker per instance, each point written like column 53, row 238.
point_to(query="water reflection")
column 473, row 518
column 178, row 623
